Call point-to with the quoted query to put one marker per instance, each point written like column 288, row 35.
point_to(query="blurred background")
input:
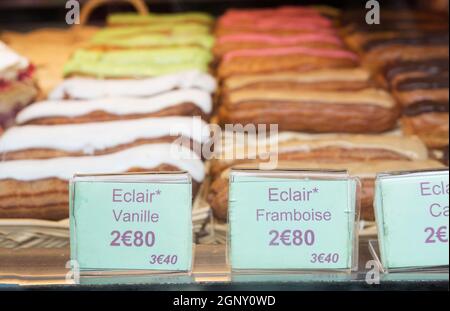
column 27, row 14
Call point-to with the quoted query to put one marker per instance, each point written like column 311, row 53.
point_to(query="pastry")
column 182, row 102
column 395, row 72
column 278, row 20
column 154, row 41
column 422, row 89
column 391, row 22
column 39, row 188
column 70, row 140
column 127, row 19
column 366, row 171
column 165, row 28
column 250, row 61
column 290, row 146
column 48, row 49
column 326, row 79
column 137, row 63
column 238, row 41
column 431, row 127
column 156, row 36
column 17, row 84
column 89, row 88
column 363, row 111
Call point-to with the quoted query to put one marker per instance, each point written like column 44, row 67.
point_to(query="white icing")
column 145, row 156
column 10, row 63
column 92, row 137
column 88, row 88
column 115, row 105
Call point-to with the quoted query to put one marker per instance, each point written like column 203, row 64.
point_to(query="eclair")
column 50, row 141
column 182, row 102
column 344, row 79
column 364, row 111
column 422, row 89
column 89, row 88
column 301, row 59
column 137, row 63
column 227, row 43
column 17, row 84
column 292, row 146
column 39, row 188
column 130, row 19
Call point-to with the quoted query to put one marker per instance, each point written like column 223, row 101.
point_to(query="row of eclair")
column 296, row 67
column 133, row 91
column 129, row 94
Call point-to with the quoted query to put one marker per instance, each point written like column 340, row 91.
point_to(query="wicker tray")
column 35, row 233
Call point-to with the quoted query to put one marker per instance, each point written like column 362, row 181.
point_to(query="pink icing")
column 287, row 10
column 279, row 22
column 290, row 50
column 287, row 40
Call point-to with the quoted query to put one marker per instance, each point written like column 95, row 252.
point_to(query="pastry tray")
column 36, row 233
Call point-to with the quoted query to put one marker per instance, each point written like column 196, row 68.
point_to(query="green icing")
column 173, row 29
column 133, row 63
column 133, row 18
column 147, row 40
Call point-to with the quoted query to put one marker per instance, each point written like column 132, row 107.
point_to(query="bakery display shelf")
column 45, row 269
column 36, row 233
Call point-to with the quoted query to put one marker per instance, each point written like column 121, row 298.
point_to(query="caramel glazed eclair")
column 356, row 111
column 294, row 146
column 345, row 79
column 422, row 89
column 366, row 171
column 39, row 160
column 296, row 58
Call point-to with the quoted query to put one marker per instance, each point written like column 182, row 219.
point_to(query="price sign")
column 412, row 217
column 132, row 222
column 291, row 220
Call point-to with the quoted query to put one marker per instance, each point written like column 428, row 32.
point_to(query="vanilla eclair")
column 38, row 188
column 182, row 102
column 89, row 88
column 49, row 141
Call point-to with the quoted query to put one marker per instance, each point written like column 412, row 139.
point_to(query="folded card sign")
column 132, row 222
column 292, row 220
column 412, row 217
